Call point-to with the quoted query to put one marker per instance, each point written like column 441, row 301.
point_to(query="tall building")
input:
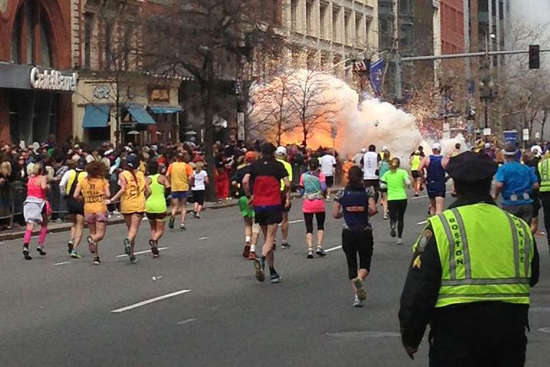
column 36, row 80
column 452, row 26
column 324, row 33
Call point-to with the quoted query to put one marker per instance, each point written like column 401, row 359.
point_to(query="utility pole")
column 398, row 71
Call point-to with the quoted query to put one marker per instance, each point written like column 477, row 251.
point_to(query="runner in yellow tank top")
column 180, row 174
column 133, row 191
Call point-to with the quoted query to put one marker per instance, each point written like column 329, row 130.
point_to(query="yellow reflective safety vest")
column 544, row 170
column 485, row 255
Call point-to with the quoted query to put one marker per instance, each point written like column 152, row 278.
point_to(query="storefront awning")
column 140, row 115
column 96, row 116
column 165, row 110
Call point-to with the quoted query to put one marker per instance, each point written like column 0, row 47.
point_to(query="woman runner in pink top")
column 314, row 189
column 36, row 209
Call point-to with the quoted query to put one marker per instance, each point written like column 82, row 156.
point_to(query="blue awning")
column 140, row 115
column 163, row 109
column 96, row 116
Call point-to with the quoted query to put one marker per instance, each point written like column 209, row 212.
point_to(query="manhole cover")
column 545, row 330
column 539, row 309
column 365, row 334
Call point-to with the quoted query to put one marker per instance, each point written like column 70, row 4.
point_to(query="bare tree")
column 210, row 39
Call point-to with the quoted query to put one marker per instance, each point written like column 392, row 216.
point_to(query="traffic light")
column 534, row 57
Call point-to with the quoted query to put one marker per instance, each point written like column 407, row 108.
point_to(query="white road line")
column 203, row 238
column 143, row 303
column 63, row 263
column 333, row 249
column 425, row 196
column 296, row 221
column 421, row 223
column 186, row 321
column 144, row 252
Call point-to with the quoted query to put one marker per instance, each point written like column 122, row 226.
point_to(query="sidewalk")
column 64, row 226
column 54, row 227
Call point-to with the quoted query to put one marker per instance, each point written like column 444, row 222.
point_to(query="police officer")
column 544, row 193
column 470, row 277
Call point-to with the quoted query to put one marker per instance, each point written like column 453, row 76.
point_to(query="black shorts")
column 415, row 174
column 74, row 206
column 159, row 217
column 198, row 196
column 329, row 181
column 268, row 217
column 356, row 243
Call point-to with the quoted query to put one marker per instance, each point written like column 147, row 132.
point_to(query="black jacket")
column 421, row 291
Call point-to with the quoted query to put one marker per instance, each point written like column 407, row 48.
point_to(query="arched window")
column 31, row 36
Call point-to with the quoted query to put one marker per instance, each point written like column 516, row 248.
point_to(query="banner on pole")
column 376, row 71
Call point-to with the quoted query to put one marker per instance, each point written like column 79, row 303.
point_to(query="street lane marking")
column 333, row 249
column 186, row 321
column 545, row 330
column 421, row 223
column 296, row 221
column 203, row 238
column 144, row 252
column 63, row 263
column 149, row 301
column 425, row 196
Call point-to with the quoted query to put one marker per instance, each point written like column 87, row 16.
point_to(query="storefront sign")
column 525, row 134
column 53, row 80
column 159, row 95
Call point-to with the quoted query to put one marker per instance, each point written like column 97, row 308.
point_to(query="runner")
column 133, row 190
column 181, row 178
column 36, row 209
column 396, row 180
column 251, row 229
column 328, row 164
column 417, row 175
column 67, row 186
column 281, row 155
column 356, row 205
column 313, row 188
column 200, row 180
column 155, row 205
column 371, row 165
column 384, row 167
column 435, row 179
column 267, row 174
column 94, row 188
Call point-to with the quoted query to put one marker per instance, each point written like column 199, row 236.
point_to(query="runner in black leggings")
column 356, row 205
column 396, row 180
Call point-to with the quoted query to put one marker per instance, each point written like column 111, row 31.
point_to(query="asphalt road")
column 56, row 311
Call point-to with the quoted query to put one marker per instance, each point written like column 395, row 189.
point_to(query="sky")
column 531, row 11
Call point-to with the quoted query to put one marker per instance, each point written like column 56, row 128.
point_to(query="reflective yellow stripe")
column 485, row 281
column 464, row 238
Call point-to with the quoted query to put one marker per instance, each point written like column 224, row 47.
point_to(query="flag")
column 376, row 71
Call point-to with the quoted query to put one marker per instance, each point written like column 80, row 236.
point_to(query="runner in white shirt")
column 199, row 188
column 328, row 162
column 371, row 165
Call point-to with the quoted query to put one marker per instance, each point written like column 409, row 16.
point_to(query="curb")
column 65, row 227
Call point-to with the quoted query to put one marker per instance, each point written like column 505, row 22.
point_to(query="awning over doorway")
column 165, row 109
column 96, row 116
column 140, row 115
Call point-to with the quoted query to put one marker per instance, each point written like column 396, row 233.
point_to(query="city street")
column 199, row 304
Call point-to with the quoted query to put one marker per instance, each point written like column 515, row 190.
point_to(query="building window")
column 108, row 45
column 88, row 32
column 309, row 18
column 30, row 40
column 348, row 30
column 335, row 24
column 324, row 30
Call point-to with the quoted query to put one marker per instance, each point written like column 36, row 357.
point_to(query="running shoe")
column 321, row 252
column 198, row 216
column 70, row 245
column 310, row 253
column 97, row 261
column 285, row 245
column 26, row 253
column 75, row 254
column 259, row 266
column 92, row 246
column 275, row 278
column 393, row 233
column 252, row 255
column 182, row 227
column 361, row 293
column 385, row 217
column 41, row 251
column 127, row 247
column 154, row 249
column 171, row 222
column 416, row 195
column 194, row 214
column 399, row 241
column 133, row 259
column 246, row 251
column 357, row 302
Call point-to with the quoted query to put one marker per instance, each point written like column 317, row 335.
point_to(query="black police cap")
column 472, row 167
